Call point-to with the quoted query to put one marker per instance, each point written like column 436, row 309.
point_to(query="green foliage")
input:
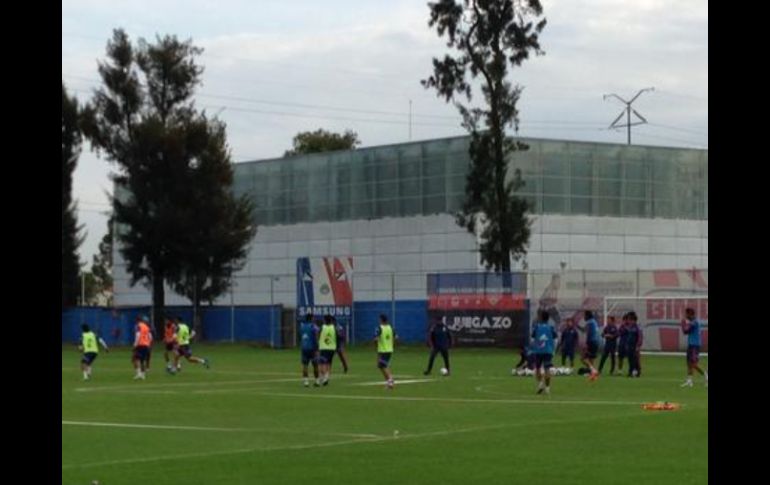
column 322, row 141
column 488, row 36
column 173, row 198
column 71, row 239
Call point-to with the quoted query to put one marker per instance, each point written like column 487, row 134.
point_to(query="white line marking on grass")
column 224, row 452
column 143, row 385
column 536, row 401
column 148, row 426
column 382, row 383
column 209, row 428
column 348, row 442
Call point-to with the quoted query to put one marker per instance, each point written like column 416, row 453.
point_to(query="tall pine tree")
column 70, row 232
column 145, row 120
column 489, row 36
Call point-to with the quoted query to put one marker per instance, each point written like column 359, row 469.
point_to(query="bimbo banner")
column 324, row 287
column 481, row 309
column 569, row 293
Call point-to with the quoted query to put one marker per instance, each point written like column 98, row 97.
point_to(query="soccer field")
column 249, row 420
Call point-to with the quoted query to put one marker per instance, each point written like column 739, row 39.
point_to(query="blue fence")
column 262, row 324
column 410, row 321
column 116, row 327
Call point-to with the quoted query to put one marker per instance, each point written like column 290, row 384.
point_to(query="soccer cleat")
column 206, row 364
column 540, row 390
column 316, row 384
column 306, row 383
column 687, row 383
column 547, row 390
column 390, row 384
column 426, row 373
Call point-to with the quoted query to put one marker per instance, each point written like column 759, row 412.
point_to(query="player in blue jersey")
column 635, row 337
column 308, row 344
column 591, row 329
column 568, row 342
column 622, row 341
column 341, row 335
column 439, row 340
column 610, row 334
column 691, row 327
column 544, row 342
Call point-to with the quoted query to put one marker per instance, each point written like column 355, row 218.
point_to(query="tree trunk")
column 158, row 302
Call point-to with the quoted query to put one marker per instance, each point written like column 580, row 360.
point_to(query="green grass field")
column 249, row 420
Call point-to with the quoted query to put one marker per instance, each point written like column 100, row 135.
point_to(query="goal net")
column 660, row 318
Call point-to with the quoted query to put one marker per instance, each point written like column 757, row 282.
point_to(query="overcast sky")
column 274, row 68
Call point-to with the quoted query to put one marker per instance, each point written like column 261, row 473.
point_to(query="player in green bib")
column 89, row 345
column 385, row 337
column 327, row 346
column 183, row 337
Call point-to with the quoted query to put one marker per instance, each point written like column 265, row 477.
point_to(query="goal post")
column 659, row 317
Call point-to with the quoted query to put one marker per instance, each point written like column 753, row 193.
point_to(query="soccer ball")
column 444, row 371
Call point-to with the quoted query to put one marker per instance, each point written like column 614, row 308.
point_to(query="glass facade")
column 561, row 177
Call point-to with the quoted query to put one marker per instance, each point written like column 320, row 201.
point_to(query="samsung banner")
column 324, row 288
column 481, row 309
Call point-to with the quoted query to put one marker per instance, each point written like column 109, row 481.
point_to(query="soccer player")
column 544, row 337
column 183, row 337
column 439, row 340
column 591, row 328
column 308, row 332
column 88, row 345
column 622, row 341
column 525, row 357
column 691, row 328
column 341, row 344
column 169, row 339
column 385, row 337
column 327, row 346
column 568, row 342
column 634, row 346
column 142, row 343
column 610, row 334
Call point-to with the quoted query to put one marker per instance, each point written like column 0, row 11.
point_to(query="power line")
column 668, row 138
column 335, row 108
column 686, row 130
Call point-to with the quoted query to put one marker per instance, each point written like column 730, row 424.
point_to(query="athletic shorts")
column 383, row 360
column 89, row 357
column 141, row 352
column 622, row 350
column 592, row 348
column 543, row 360
column 693, row 354
column 610, row 346
column 170, row 346
column 184, row 351
column 326, row 356
column 308, row 356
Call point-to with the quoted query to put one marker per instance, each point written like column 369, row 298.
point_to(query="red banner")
column 475, row 301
